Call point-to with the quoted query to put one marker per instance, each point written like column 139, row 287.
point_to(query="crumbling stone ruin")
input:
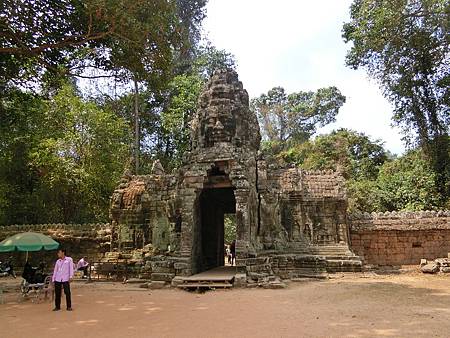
column 289, row 222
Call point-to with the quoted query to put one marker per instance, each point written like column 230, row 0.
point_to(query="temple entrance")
column 208, row 237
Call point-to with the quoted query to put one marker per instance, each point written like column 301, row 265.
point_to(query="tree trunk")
column 136, row 127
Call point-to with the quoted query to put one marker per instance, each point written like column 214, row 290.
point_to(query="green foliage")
column 229, row 228
column 184, row 91
column 289, row 119
column 350, row 152
column 375, row 181
column 20, row 116
column 209, row 59
column 407, row 183
column 66, row 36
column 61, row 159
column 165, row 114
column 61, row 154
column 353, row 154
column 405, row 46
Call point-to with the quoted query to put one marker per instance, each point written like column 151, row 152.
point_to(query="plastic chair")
column 46, row 288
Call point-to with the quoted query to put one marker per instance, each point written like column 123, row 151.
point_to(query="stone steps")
column 344, row 265
column 220, row 277
column 208, row 285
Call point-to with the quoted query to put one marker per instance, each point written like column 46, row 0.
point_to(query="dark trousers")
column 84, row 269
column 66, row 286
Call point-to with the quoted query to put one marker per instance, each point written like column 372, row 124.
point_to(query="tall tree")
column 407, row 183
column 59, row 158
column 354, row 154
column 68, row 36
column 404, row 44
column 286, row 118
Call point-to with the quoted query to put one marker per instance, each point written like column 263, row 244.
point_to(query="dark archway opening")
column 209, row 246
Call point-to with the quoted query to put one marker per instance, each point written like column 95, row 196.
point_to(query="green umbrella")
column 28, row 241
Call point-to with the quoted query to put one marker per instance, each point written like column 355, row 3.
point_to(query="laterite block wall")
column 400, row 238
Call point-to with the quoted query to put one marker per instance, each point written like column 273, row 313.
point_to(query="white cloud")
column 298, row 45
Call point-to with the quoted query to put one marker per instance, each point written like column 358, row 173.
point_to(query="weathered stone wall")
column 90, row 240
column 144, row 210
column 400, row 238
column 301, row 208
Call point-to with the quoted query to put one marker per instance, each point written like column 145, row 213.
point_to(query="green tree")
column 353, row 154
column 404, row 44
column 184, row 91
column 68, row 36
column 292, row 118
column 21, row 115
column 165, row 113
column 407, row 183
column 61, row 160
column 229, row 228
column 181, row 101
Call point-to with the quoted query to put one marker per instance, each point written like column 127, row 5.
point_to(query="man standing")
column 233, row 252
column 62, row 275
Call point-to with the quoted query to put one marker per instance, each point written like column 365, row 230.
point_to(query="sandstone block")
column 177, row 280
column 153, row 285
column 166, row 277
column 240, row 280
column 430, row 268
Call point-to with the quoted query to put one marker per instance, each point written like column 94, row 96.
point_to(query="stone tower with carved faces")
column 287, row 220
column 219, row 173
column 223, row 115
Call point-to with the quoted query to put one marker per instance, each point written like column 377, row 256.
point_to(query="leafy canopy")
column 60, row 158
column 404, row 44
column 294, row 117
column 68, row 36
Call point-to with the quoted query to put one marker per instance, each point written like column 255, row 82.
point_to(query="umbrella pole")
column 26, row 257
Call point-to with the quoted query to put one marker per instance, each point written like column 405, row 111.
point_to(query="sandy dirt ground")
column 361, row 305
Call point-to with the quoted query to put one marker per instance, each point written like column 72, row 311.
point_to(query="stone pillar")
column 242, row 224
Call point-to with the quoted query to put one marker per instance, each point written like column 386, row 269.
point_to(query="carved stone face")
column 224, row 115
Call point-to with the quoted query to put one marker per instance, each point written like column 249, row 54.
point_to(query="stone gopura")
column 289, row 222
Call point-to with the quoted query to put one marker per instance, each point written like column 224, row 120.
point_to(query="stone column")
column 242, row 223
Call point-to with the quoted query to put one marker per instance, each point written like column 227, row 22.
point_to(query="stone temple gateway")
column 290, row 222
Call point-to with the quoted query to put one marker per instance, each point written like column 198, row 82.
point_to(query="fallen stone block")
column 177, row 280
column 166, row 277
column 442, row 262
column 275, row 285
column 240, row 280
column 156, row 285
column 135, row 281
column 430, row 268
column 445, row 269
column 423, row 262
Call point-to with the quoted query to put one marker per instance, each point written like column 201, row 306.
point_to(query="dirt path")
column 353, row 306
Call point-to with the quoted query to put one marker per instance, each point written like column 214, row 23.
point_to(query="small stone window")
column 417, row 245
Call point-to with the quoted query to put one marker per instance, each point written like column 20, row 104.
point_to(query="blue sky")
column 297, row 44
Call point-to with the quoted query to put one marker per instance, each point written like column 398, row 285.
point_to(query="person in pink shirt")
column 83, row 265
column 62, row 275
